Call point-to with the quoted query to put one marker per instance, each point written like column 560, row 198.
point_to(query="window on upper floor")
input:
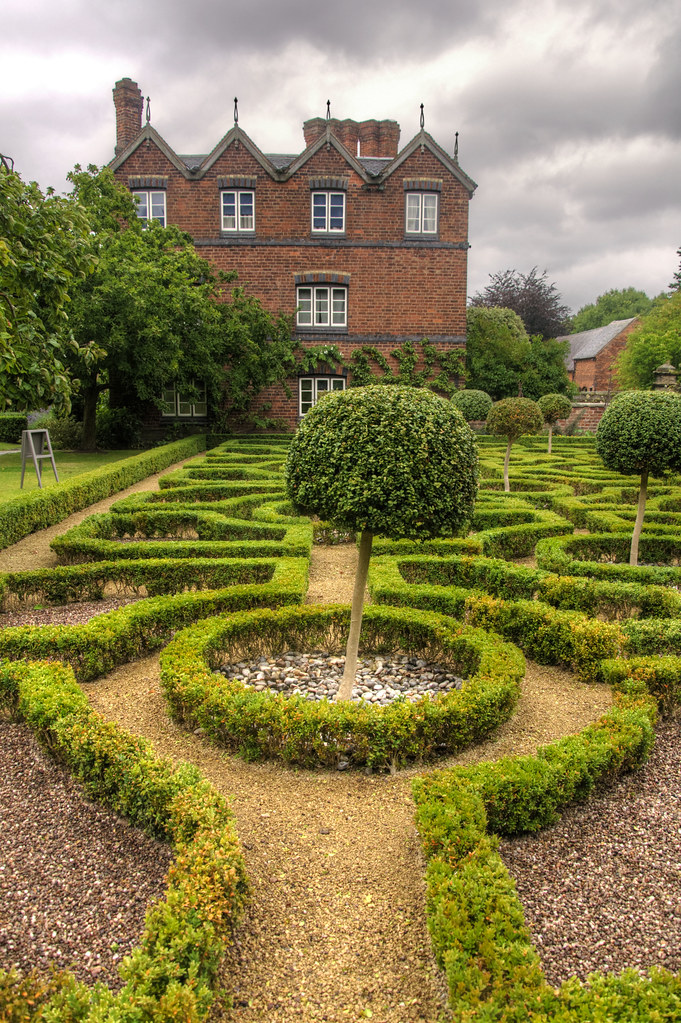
column 151, row 206
column 311, row 389
column 328, row 212
column 179, row 405
column 322, row 306
column 238, row 210
column 421, row 213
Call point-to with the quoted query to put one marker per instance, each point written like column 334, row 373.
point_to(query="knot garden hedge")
column 220, row 561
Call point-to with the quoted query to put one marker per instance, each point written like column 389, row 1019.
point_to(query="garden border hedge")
column 41, row 508
column 172, row 974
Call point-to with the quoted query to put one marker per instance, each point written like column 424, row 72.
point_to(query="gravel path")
column 602, row 888
column 76, row 898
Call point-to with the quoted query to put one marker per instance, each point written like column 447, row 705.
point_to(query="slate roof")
column 588, row 343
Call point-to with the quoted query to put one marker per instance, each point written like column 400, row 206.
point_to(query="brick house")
column 593, row 353
column 362, row 243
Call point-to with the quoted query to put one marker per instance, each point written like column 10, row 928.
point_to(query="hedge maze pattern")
column 221, row 563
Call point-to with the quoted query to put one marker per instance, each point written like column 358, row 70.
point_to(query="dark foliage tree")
column 44, row 249
column 640, row 434
column 531, row 295
column 612, row 305
column 675, row 283
column 398, row 461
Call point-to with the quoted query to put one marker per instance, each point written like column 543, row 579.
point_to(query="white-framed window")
column 178, row 405
column 322, row 306
column 237, row 209
column 328, row 212
column 311, row 389
column 421, row 213
column 151, row 206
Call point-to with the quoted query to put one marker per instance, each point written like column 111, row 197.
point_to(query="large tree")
column 656, row 341
column 497, row 351
column 151, row 316
column 531, row 295
column 611, row 305
column 675, row 283
column 397, row 461
column 44, row 250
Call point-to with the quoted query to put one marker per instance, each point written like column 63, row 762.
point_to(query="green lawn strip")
column 172, row 974
column 69, row 464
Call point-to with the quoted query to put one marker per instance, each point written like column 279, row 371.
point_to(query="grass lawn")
column 69, row 463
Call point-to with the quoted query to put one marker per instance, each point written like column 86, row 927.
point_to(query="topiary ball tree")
column 640, row 433
column 473, row 405
column 398, row 461
column 554, row 407
column 511, row 418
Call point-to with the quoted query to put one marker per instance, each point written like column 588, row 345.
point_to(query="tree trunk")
column 88, row 440
column 507, row 485
column 348, row 680
column 642, row 495
column 550, row 436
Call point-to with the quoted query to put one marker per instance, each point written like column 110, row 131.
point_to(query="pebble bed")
column 317, row 675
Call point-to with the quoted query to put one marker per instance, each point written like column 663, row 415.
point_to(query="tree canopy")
column 511, row 418
column 655, row 342
column 44, row 249
column 535, row 300
column 398, row 461
column 675, row 283
column 612, row 305
column 640, row 434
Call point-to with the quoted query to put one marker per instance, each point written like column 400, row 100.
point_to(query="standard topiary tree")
column 640, row 432
column 398, row 461
column 473, row 405
column 554, row 407
column 511, row 418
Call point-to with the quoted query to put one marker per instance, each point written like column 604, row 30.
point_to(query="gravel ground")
column 602, row 888
column 76, row 898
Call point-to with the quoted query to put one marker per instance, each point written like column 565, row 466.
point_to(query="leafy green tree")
column 554, row 407
column 473, row 405
column 511, row 418
column 545, row 370
column 535, row 300
column 44, row 250
column 612, row 305
column 398, row 461
column 675, row 284
column 497, row 351
column 656, row 341
column 150, row 316
column 640, row 433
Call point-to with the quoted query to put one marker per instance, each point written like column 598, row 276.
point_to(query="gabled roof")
column 372, row 169
column 588, row 343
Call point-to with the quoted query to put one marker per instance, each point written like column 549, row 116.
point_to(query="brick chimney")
column 129, row 103
column 376, row 138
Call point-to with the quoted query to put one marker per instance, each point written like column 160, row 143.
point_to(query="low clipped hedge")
column 98, row 646
column 475, row 918
column 173, row 973
column 604, row 556
column 311, row 733
column 41, row 508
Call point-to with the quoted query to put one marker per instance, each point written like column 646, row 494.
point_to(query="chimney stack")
column 376, row 138
column 129, row 104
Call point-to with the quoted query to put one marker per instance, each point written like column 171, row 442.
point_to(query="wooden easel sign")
column 35, row 444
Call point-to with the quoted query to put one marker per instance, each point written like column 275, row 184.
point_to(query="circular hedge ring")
column 260, row 725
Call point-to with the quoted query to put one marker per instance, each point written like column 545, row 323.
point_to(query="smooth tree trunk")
column 507, row 459
column 550, row 436
column 640, row 511
column 348, row 680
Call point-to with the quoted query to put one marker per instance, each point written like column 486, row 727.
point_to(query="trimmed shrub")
column 511, row 418
column 473, row 405
column 554, row 407
column 11, row 426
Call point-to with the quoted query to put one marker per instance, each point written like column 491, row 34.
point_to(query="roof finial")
column 236, row 111
column 328, row 109
column 423, row 120
column 456, row 147
column 148, row 110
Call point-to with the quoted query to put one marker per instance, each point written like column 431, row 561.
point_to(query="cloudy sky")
column 568, row 113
